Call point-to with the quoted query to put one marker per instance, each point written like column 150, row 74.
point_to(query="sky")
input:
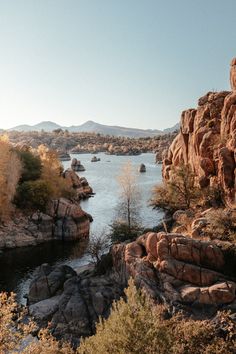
column 134, row 63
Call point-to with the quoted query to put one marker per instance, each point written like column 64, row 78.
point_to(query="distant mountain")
column 172, row 129
column 93, row 127
column 47, row 126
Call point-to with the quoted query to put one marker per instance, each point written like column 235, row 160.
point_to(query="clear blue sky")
column 135, row 63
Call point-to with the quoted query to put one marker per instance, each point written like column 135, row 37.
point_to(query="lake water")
column 18, row 265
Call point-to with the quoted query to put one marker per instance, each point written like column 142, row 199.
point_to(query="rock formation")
column 76, row 165
column 64, row 220
column 142, row 168
column 171, row 268
column 207, row 141
column 233, row 75
column 95, row 159
column 72, row 303
column 79, row 184
column 179, row 268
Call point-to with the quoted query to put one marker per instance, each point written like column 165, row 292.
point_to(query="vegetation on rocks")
column 179, row 192
column 134, row 326
column 29, row 179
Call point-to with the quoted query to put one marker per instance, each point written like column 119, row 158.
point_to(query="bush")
column 32, row 166
column 136, row 326
column 33, row 195
column 222, row 224
column 179, row 192
column 121, row 231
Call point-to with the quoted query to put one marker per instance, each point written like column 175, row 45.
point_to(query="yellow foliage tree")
column 10, row 172
column 52, row 173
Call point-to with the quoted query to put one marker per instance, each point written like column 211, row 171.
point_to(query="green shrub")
column 32, row 166
column 137, row 326
column 121, row 231
column 179, row 192
column 33, row 195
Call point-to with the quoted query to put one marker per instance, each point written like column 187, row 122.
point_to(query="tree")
column 179, row 192
column 31, row 165
column 52, row 174
column 128, row 208
column 33, row 195
column 98, row 245
column 10, row 171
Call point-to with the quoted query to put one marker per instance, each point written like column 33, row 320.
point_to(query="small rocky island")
column 142, row 168
column 77, row 166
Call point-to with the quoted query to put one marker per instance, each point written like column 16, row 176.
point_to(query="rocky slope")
column 207, row 141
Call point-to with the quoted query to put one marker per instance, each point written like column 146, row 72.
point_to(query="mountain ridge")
column 93, row 127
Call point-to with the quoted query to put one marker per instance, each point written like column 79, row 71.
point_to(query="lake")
column 18, row 265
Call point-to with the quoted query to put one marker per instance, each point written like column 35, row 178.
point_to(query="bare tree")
column 128, row 208
column 98, row 245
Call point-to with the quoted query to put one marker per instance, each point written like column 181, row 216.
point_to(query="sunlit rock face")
column 207, row 141
column 176, row 267
column 233, row 74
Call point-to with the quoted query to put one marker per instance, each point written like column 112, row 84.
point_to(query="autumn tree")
column 52, row 173
column 10, row 172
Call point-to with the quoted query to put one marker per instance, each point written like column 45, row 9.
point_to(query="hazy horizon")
column 128, row 63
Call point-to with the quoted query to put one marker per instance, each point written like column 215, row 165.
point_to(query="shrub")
column 98, row 245
column 121, row 231
column 130, row 328
column 32, row 166
column 136, row 326
column 179, row 192
column 221, row 224
column 33, row 195
column 14, row 335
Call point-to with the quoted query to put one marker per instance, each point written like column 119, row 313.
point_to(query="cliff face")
column 207, row 141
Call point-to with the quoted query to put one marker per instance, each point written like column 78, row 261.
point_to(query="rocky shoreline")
column 64, row 220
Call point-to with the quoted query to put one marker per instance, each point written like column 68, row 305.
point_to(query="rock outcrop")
column 207, row 141
column 177, row 270
column 175, row 267
column 233, row 74
column 142, row 168
column 79, row 184
column 77, row 166
column 72, row 303
column 64, row 220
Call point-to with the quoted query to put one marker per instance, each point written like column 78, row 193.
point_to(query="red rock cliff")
column 207, row 141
